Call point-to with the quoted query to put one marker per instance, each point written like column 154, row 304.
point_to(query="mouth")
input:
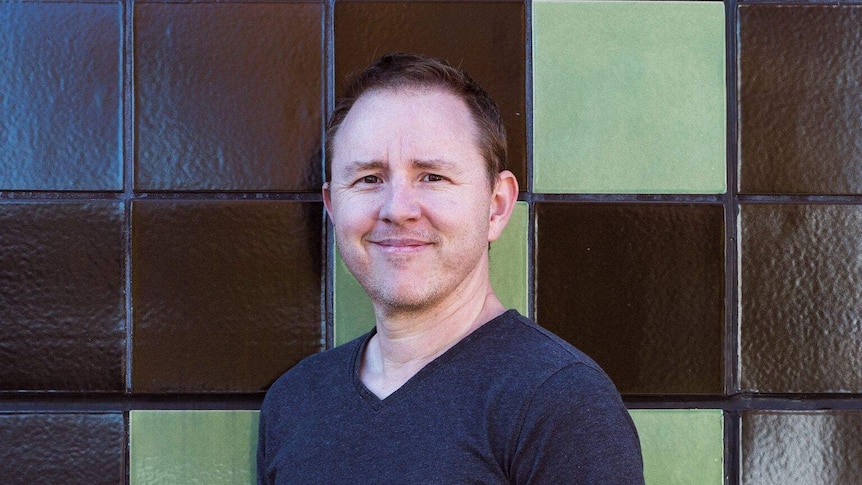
column 400, row 245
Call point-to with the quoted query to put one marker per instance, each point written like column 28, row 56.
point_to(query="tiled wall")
column 690, row 215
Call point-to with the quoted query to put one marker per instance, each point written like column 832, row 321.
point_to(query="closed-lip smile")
column 397, row 244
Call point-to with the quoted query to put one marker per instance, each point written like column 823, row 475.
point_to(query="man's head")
column 410, row 194
column 404, row 71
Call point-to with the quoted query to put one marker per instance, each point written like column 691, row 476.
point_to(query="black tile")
column 800, row 99
column 62, row 288
column 228, row 96
column 84, row 449
column 226, row 295
column 638, row 287
column 800, row 298
column 802, row 447
column 486, row 39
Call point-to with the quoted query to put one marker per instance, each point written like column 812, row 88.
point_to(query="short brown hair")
column 401, row 70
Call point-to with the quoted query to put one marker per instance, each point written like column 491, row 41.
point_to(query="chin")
column 402, row 300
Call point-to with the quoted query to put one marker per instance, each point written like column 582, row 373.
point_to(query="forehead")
column 422, row 123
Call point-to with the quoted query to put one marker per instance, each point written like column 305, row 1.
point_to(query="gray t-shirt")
column 510, row 403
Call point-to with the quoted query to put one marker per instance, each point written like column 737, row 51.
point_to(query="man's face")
column 410, row 198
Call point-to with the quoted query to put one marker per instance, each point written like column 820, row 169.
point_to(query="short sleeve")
column 577, row 430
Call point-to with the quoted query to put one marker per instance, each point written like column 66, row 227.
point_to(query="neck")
column 406, row 342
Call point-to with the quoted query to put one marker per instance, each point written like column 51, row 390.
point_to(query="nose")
column 401, row 203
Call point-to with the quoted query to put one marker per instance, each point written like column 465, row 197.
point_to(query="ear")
column 503, row 198
column 327, row 199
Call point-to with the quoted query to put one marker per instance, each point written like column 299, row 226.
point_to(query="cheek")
column 352, row 213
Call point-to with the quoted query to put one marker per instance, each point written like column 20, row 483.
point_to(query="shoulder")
column 573, row 425
column 537, row 349
column 313, row 374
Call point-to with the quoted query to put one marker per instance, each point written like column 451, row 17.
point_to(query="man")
column 449, row 387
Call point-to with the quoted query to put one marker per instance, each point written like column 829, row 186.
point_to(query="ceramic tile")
column 639, row 288
column 508, row 261
column 800, row 304
column 681, row 446
column 62, row 289
column 486, row 39
column 629, row 97
column 354, row 314
column 60, row 96
column 801, row 447
column 62, row 448
column 212, row 447
column 800, row 119
column 228, row 96
column 226, row 295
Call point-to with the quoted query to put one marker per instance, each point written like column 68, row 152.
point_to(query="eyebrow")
column 366, row 165
column 435, row 164
column 362, row 166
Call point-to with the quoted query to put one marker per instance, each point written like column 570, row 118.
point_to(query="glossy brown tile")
column 799, row 109
column 226, row 295
column 484, row 38
column 802, row 447
column 60, row 96
column 228, row 96
column 62, row 448
column 638, row 287
column 800, row 298
column 62, row 296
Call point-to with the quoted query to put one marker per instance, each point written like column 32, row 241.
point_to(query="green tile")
column 629, row 97
column 192, row 447
column 508, row 260
column 354, row 314
column 352, row 310
column 681, row 446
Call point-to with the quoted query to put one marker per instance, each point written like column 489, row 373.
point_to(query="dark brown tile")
column 800, row 72
column 62, row 316
column 62, row 448
column 800, row 298
column 802, row 447
column 228, row 96
column 226, row 295
column 60, row 96
column 484, row 38
column 638, row 287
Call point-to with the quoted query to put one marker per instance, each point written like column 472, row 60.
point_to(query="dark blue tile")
column 60, row 96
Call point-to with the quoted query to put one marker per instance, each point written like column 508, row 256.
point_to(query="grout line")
column 732, row 447
column 118, row 402
column 328, row 241
column 633, row 198
column 732, row 268
column 128, row 193
column 129, row 172
column 528, row 155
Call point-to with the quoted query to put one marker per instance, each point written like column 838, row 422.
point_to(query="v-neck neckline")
column 429, row 369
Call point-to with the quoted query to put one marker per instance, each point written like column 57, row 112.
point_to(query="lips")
column 392, row 243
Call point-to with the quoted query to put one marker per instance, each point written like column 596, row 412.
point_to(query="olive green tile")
column 352, row 311
column 192, row 447
column 508, row 260
column 354, row 314
column 629, row 97
column 681, row 446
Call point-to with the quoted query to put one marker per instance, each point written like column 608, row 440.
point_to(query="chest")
column 439, row 438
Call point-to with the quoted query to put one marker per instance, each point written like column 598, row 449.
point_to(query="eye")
column 370, row 179
column 432, row 177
